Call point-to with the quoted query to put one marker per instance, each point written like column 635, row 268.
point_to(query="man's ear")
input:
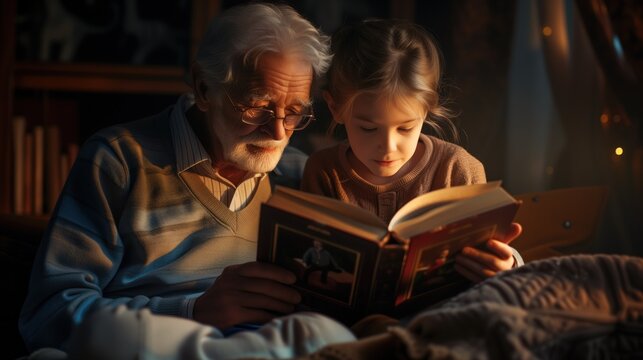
column 332, row 106
column 200, row 89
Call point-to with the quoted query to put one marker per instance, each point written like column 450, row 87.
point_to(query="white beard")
column 239, row 155
column 235, row 149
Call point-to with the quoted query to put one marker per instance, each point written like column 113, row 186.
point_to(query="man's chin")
column 261, row 167
column 258, row 162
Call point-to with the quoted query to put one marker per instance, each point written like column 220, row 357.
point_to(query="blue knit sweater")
column 129, row 229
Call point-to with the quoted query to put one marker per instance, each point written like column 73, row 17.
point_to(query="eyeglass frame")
column 244, row 109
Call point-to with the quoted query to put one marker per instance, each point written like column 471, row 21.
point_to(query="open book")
column 349, row 263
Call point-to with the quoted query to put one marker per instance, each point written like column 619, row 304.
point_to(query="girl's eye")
column 405, row 130
column 367, row 129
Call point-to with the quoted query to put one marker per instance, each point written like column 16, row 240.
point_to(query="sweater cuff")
column 188, row 308
column 518, row 261
column 174, row 306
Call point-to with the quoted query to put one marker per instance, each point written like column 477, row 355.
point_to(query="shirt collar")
column 187, row 146
column 221, row 179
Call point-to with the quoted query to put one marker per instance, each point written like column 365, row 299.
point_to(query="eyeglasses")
column 260, row 116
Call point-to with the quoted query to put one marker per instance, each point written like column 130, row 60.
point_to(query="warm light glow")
column 547, row 31
column 618, row 151
column 604, row 118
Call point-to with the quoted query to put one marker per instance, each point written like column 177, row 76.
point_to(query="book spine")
column 387, row 275
column 52, row 143
column 19, row 126
column 6, row 167
column 39, row 169
column 28, row 189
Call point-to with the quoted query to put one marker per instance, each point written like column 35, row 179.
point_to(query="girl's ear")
column 200, row 89
column 332, row 106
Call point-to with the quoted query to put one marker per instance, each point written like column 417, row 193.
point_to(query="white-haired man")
column 160, row 216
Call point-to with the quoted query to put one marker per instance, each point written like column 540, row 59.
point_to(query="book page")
column 332, row 212
column 473, row 202
column 438, row 198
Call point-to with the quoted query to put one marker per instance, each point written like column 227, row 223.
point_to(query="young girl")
column 383, row 87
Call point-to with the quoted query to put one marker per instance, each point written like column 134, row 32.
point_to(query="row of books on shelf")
column 40, row 166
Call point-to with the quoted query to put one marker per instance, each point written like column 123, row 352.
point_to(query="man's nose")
column 276, row 129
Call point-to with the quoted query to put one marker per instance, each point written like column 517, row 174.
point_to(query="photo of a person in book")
column 433, row 270
column 438, row 262
column 321, row 267
column 384, row 92
column 317, row 258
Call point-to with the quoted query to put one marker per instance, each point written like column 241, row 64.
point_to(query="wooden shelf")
column 84, row 77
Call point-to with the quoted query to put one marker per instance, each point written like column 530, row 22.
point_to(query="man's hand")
column 477, row 264
column 250, row 292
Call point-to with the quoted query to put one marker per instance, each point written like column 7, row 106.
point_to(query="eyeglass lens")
column 261, row 116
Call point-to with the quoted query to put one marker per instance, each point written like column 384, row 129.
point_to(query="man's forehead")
column 258, row 87
column 263, row 93
column 278, row 72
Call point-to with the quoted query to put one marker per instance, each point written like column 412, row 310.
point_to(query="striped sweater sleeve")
column 81, row 250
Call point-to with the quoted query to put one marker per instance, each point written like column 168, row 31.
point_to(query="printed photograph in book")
column 322, row 267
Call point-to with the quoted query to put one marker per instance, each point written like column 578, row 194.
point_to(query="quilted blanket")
column 578, row 307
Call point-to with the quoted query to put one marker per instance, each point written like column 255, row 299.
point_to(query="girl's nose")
column 387, row 142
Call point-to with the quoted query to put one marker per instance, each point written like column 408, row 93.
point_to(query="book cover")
column 349, row 263
column 428, row 275
column 337, row 279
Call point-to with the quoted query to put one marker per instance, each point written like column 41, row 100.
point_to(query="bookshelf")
column 80, row 97
column 59, row 93
column 84, row 94
column 99, row 78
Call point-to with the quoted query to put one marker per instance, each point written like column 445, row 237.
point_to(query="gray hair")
column 241, row 35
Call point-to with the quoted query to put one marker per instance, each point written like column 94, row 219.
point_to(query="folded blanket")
column 580, row 307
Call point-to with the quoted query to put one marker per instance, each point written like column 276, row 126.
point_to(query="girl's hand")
column 477, row 264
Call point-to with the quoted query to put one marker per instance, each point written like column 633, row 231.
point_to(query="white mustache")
column 269, row 145
column 261, row 141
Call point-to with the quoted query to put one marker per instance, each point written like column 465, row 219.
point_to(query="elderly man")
column 162, row 214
